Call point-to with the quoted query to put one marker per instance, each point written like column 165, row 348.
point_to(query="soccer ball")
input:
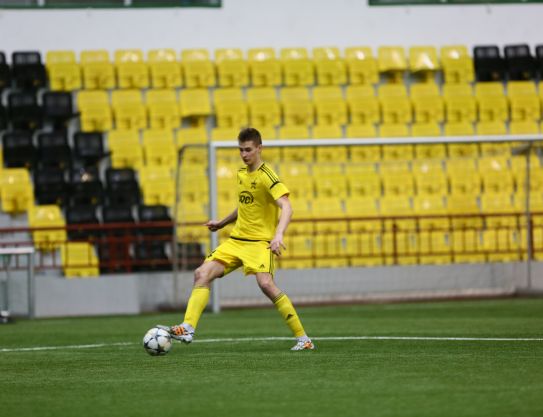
column 157, row 341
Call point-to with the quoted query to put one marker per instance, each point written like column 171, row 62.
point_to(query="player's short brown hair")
column 250, row 134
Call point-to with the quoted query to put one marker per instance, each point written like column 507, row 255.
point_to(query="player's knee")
column 201, row 276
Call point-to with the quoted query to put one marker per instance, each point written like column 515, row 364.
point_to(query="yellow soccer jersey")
column 257, row 210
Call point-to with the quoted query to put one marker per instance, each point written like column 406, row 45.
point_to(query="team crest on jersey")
column 245, row 197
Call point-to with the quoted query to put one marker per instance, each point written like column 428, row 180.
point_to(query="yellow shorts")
column 254, row 256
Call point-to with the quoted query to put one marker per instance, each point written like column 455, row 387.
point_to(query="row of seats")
column 262, row 67
column 425, row 106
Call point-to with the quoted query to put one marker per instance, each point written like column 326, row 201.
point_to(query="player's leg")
column 203, row 277
column 286, row 309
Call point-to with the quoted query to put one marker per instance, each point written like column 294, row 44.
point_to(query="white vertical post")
column 213, row 212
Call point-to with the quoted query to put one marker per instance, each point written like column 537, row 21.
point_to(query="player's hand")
column 276, row 244
column 213, row 225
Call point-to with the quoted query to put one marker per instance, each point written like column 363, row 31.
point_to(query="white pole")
column 213, row 212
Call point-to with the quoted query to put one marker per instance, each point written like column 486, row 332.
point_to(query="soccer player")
column 256, row 238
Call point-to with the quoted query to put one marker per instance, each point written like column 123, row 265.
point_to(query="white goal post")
column 213, row 146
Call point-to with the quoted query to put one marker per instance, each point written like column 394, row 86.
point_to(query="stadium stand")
column 119, row 147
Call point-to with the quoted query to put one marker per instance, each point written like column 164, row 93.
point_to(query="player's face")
column 250, row 152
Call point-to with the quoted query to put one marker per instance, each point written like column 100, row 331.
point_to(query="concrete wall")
column 276, row 23
column 133, row 294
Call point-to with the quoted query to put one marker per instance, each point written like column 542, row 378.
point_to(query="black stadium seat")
column 50, row 186
column 57, row 108
column 85, row 187
column 23, row 111
column 155, row 213
column 53, row 150
column 489, row 64
column 19, row 150
column 82, row 215
column 520, row 62
column 88, row 148
column 122, row 187
column 27, row 70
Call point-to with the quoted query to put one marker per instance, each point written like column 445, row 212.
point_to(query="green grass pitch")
column 366, row 377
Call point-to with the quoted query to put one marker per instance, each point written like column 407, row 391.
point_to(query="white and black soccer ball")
column 157, row 342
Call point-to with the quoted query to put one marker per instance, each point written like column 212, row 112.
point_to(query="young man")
column 255, row 239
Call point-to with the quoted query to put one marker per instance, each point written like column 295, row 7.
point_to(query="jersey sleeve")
column 272, row 183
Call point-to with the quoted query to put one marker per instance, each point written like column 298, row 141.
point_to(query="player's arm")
column 215, row 225
column 284, row 219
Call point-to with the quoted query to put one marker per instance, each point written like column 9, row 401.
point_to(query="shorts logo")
column 245, row 197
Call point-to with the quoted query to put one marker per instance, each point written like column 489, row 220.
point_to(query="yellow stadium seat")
column 132, row 70
column 198, row 68
column 396, row 207
column 495, row 127
column 191, row 136
column 329, row 215
column 79, row 260
column 301, row 249
column 495, row 148
column 399, row 248
column 428, row 105
column 363, row 105
column 361, row 65
column 63, row 71
column 460, row 104
column 431, row 184
column 498, row 208
column 523, row 101
column 330, row 107
column 363, row 249
column 467, row 184
column 459, row 129
column 297, row 107
column 363, row 214
column 395, row 105
column 16, row 190
column 425, row 130
column 423, row 62
column 264, row 67
column 96, row 114
column 361, row 131
column 527, row 127
column 296, row 154
column 461, row 166
column 194, row 103
column 434, row 247
column 432, row 212
column 126, row 150
column 428, row 167
column 397, row 152
column 457, row 65
column 264, row 109
column 230, row 108
column 330, row 186
column 128, row 109
column 164, row 68
column 298, row 69
column 393, row 130
column 98, row 70
column 465, row 211
column 157, row 185
column 364, row 186
column 328, row 252
column 329, row 66
column 47, row 216
column 502, row 245
column 391, row 61
column 163, row 109
column 224, row 133
column 329, row 153
column 159, row 148
column 430, row 151
column 300, row 188
column 491, row 102
column 232, row 69
column 467, row 246
column 398, row 184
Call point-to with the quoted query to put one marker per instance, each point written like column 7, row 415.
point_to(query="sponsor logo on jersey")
column 245, row 197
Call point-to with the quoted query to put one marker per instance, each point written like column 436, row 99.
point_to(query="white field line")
column 268, row 339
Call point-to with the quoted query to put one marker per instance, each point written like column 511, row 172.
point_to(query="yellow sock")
column 197, row 302
column 287, row 311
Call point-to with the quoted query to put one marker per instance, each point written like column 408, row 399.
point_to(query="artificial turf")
column 368, row 377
